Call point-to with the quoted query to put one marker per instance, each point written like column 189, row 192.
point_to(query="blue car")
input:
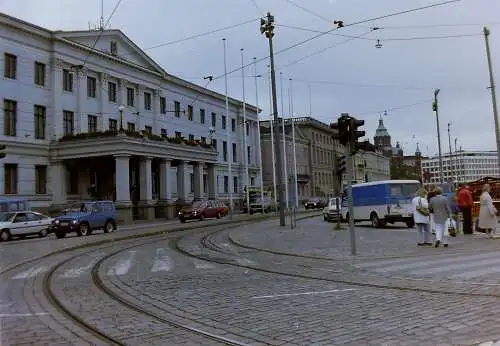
column 85, row 217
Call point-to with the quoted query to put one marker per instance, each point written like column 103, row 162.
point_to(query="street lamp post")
column 120, row 109
column 435, row 107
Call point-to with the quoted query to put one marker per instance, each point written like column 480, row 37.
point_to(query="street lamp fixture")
column 120, row 109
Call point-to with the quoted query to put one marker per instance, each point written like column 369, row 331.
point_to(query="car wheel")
column 43, row 233
column 83, row 230
column 60, row 234
column 108, row 227
column 325, row 218
column 202, row 217
column 218, row 215
column 5, row 235
column 183, row 220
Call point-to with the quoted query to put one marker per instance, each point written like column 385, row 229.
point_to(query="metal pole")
column 228, row 132
column 457, row 174
column 247, row 193
column 493, row 93
column 268, row 29
column 259, row 148
column 285, row 161
column 310, row 100
column 462, row 164
column 450, row 158
column 293, row 148
column 272, row 140
column 436, row 109
column 349, row 169
column 337, row 190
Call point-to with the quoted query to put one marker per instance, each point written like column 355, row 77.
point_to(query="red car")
column 200, row 210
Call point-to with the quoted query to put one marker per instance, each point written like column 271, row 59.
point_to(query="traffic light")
column 340, row 166
column 2, row 151
column 434, row 106
column 355, row 134
column 342, row 128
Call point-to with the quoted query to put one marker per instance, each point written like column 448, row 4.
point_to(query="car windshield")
column 333, row 202
column 4, row 217
column 80, row 207
column 198, row 204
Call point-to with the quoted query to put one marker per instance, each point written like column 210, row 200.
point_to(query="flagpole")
column 259, row 148
column 293, row 146
column 284, row 139
column 228, row 132
column 245, row 132
column 272, row 140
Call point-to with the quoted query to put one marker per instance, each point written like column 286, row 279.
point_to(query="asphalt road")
column 257, row 284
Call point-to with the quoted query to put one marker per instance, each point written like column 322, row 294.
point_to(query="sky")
column 328, row 75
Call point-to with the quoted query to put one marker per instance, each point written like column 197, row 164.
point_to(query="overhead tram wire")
column 309, row 11
column 337, row 28
column 396, row 108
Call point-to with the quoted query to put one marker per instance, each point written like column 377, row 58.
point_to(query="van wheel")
column 374, row 220
column 5, row 235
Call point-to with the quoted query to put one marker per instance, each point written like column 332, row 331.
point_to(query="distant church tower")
column 382, row 139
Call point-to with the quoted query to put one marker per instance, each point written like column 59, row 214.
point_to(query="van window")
column 403, row 190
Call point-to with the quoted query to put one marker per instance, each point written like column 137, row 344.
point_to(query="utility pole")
column 450, row 159
column 267, row 28
column 435, row 108
column 486, row 32
column 457, row 174
column 350, row 202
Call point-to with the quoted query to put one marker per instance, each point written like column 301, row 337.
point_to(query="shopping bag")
column 451, row 227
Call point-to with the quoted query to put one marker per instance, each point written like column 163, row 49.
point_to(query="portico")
column 146, row 177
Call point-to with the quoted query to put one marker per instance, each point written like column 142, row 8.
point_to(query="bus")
column 382, row 202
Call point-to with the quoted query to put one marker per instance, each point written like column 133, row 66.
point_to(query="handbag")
column 452, row 231
column 422, row 210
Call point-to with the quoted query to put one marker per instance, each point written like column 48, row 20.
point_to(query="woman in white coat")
column 487, row 212
column 420, row 208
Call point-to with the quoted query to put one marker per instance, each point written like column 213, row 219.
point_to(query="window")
column 205, row 183
column 147, row 101
column 223, row 122
column 68, row 123
column 113, row 125
column 235, row 184
column 67, row 81
column 163, row 132
column 10, row 181
column 131, row 127
column 190, row 112
column 10, row 117
column 214, row 119
column 224, row 150
column 248, row 155
column 163, row 105
column 177, row 109
column 113, row 48
column 202, row 116
column 234, row 152
column 178, row 134
column 92, row 123
column 191, row 182
column 252, row 181
column 130, row 97
column 191, row 137
column 40, row 120
column 91, row 86
column 10, row 66
column 39, row 73
column 226, row 184
column 148, row 129
column 233, row 125
column 247, row 127
column 203, row 139
column 40, row 180
column 111, row 92
column 214, row 143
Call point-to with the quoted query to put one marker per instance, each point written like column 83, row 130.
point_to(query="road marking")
column 122, row 266
column 77, row 272
column 202, row 265
column 161, row 261
column 30, row 273
column 303, row 293
column 24, row 315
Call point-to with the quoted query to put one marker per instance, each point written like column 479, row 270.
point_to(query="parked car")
column 85, row 217
column 331, row 212
column 200, row 210
column 262, row 206
column 314, row 203
column 22, row 223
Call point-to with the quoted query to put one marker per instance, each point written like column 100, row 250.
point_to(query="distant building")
column 461, row 166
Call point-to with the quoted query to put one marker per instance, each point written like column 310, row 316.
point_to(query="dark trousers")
column 467, row 218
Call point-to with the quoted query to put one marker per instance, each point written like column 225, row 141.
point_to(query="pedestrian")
column 421, row 214
column 487, row 212
column 431, row 192
column 440, row 209
column 465, row 203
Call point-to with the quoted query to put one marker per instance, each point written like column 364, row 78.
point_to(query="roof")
column 381, row 130
column 382, row 182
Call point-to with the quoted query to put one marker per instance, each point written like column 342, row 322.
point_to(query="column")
column 165, row 193
column 81, row 101
column 122, row 178
column 103, row 97
column 212, row 182
column 55, row 122
column 58, row 181
column 181, row 181
column 198, row 180
column 146, row 181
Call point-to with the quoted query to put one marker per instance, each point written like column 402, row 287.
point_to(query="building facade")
column 371, row 166
column 108, row 122
column 461, row 166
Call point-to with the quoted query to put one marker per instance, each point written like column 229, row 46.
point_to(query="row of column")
column 122, row 180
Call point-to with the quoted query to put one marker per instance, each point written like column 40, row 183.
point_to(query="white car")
column 330, row 212
column 23, row 223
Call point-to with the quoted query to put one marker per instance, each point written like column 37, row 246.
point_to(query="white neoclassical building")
column 65, row 103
